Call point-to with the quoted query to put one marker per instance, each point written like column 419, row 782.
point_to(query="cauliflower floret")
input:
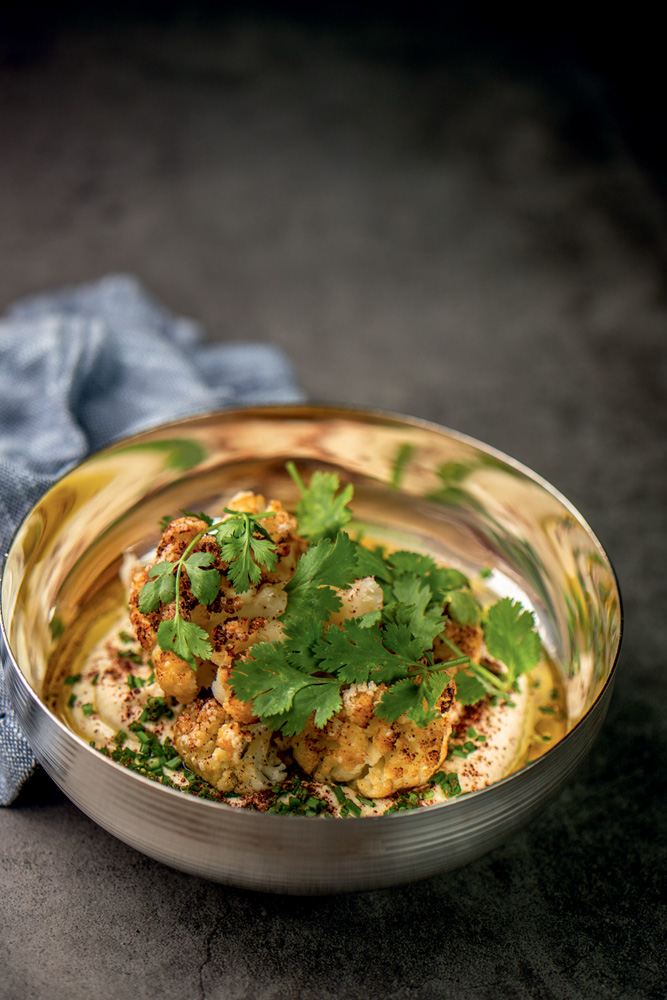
column 231, row 640
column 175, row 539
column 224, row 752
column 374, row 757
column 262, row 602
column 175, row 676
column 363, row 596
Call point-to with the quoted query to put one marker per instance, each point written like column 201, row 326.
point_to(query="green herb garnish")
column 289, row 681
column 347, row 806
column 239, row 546
column 449, row 783
column 295, row 797
column 155, row 709
column 134, row 683
column 322, row 511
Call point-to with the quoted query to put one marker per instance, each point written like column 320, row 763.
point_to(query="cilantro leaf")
column 321, row 511
column 185, row 639
column 414, row 563
column 268, row 679
column 205, row 582
column 245, row 553
column 448, row 578
column 323, row 698
column 405, row 696
column 412, row 590
column 509, row 631
column 328, row 702
column 464, row 608
column 372, row 562
column 288, row 697
column 352, row 652
column 321, row 570
column 159, row 589
column 409, row 630
column 469, row 689
column 415, row 578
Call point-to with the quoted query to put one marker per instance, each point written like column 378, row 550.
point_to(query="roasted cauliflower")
column 265, row 599
column 374, row 757
column 226, row 753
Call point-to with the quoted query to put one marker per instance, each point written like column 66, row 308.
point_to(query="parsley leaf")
column 320, row 512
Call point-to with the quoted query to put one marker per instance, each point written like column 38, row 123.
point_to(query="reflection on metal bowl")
column 416, row 484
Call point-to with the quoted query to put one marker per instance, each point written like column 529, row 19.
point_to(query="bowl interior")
column 415, row 486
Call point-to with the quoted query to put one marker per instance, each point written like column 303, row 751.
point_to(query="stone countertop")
column 438, row 229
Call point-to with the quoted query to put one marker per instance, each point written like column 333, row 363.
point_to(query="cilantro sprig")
column 305, row 673
column 322, row 510
column 240, row 547
column 510, row 637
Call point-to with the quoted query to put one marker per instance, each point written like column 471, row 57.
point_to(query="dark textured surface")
column 433, row 226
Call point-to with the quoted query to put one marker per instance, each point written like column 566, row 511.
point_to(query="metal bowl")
column 415, row 484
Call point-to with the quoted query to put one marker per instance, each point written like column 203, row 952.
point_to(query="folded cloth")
column 84, row 366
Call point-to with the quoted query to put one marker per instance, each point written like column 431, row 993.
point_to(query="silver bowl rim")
column 325, row 409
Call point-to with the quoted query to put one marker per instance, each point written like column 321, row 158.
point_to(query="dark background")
column 456, row 212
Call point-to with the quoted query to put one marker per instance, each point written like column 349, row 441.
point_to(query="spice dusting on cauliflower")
column 307, row 672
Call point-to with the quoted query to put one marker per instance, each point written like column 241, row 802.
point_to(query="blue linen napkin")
column 83, row 366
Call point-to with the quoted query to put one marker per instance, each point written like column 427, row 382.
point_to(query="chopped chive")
column 365, row 801
column 74, row 679
column 88, row 708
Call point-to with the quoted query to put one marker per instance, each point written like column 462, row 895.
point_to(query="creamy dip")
column 114, row 690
